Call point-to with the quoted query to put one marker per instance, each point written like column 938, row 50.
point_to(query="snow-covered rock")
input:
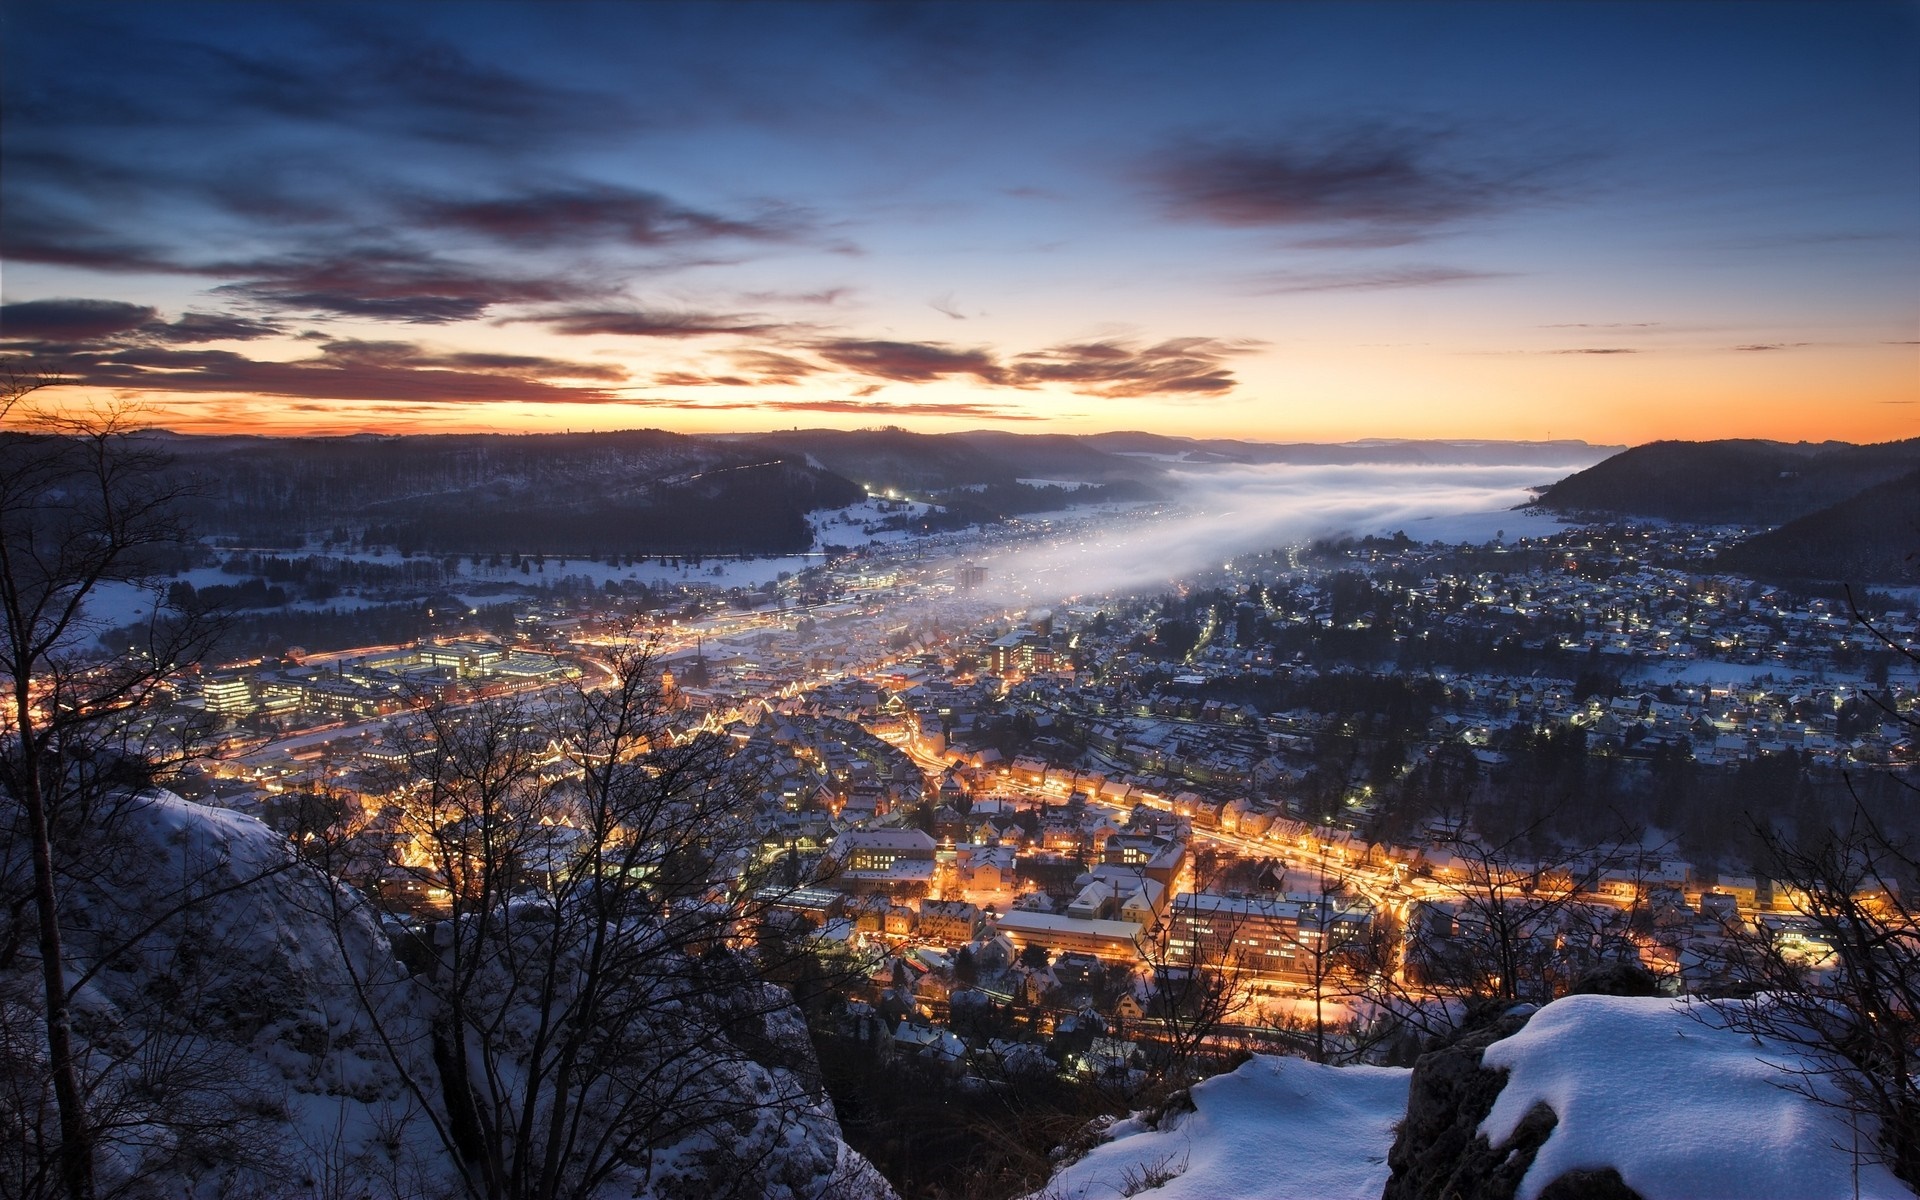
column 247, row 1027
column 1592, row 1096
column 1276, row 1129
column 1680, row 1105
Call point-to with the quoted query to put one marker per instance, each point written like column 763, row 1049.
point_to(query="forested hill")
column 1872, row 537
column 1730, row 482
column 653, row 492
column 644, row 491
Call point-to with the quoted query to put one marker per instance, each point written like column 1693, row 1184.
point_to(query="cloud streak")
column 1194, row 366
column 1389, row 184
column 345, row 370
column 591, row 215
column 1286, row 282
column 651, row 323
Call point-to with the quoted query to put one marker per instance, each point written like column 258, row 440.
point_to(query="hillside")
column 1729, row 482
column 643, row 491
column 250, row 1031
column 1873, row 537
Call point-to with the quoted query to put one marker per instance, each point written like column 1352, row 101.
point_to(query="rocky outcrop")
column 1440, row 1153
column 248, row 1029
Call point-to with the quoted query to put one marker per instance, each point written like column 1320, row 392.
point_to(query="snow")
column 1701, row 672
column 1683, row 1108
column 1276, row 1129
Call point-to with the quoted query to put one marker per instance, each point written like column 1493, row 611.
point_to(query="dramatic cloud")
column 48, row 330
column 391, row 283
column 354, row 75
column 1190, row 366
column 1396, row 183
column 635, row 322
column 772, row 367
column 193, row 328
column 31, row 233
column 1284, row 282
column 1602, row 325
column 594, row 215
column 1182, row 366
column 71, row 320
column 911, row 362
column 406, row 354
column 344, row 370
column 1770, row 346
column 1597, row 350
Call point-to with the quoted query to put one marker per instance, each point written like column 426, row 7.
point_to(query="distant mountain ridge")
column 1408, row 451
column 653, row 492
column 1733, row 482
column 1840, row 511
column 642, row 491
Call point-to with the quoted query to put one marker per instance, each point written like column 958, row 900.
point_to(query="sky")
column 1289, row 222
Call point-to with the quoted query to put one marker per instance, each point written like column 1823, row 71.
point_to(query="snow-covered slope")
column 1276, row 1129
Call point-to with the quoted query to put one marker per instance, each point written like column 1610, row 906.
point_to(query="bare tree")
column 1493, row 929
column 1843, row 989
column 1336, row 944
column 84, row 506
column 594, row 873
column 1202, row 981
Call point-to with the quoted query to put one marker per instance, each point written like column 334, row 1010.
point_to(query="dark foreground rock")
column 1440, row 1154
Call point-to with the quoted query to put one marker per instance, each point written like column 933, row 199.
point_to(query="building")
column 948, row 922
column 883, row 859
column 1025, row 653
column 1270, row 938
column 228, row 695
column 880, row 849
column 1111, row 941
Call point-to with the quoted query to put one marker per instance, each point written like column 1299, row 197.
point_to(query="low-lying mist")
column 1226, row 512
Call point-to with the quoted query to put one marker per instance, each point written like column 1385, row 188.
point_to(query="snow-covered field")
column 1706, row 672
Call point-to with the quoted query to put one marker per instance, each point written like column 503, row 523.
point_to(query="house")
column 948, row 922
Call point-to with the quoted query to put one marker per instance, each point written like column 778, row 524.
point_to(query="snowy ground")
column 1276, row 1129
column 1706, row 671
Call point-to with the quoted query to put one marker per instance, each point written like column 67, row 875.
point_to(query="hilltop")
column 1732, row 482
column 1838, row 511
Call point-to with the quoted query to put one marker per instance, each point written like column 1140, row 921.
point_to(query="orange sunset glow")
column 1522, row 223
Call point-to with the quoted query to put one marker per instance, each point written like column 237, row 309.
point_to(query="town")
column 1328, row 778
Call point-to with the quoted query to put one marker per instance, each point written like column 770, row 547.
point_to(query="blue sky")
column 1614, row 221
